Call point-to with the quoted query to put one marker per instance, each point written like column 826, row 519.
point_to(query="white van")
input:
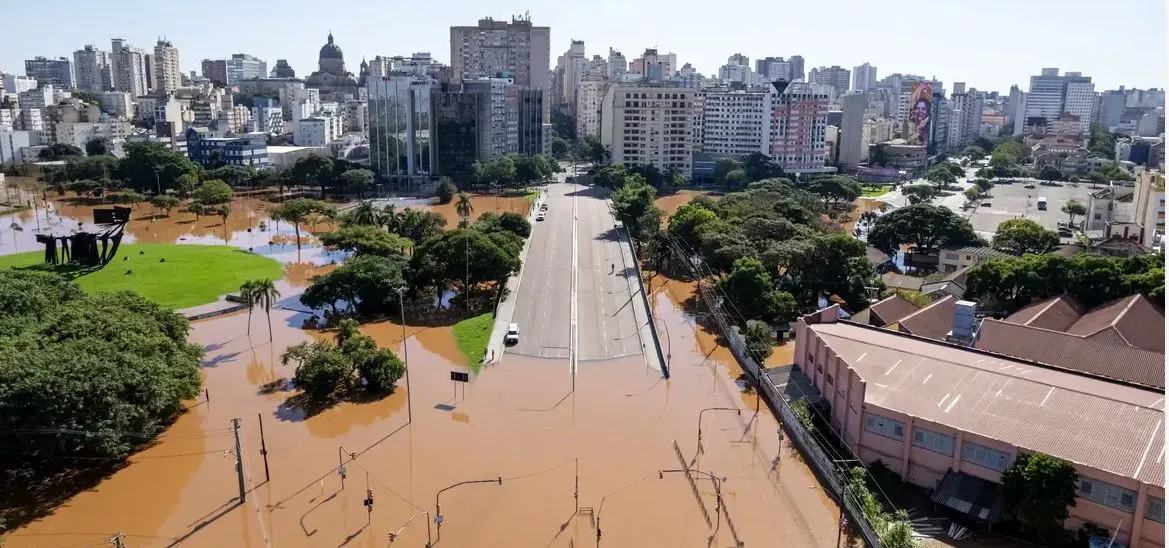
column 1042, row 203
column 513, row 334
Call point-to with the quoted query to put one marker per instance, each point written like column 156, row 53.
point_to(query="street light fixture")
column 438, row 519
column 736, row 410
column 393, row 535
column 718, row 493
column 406, row 355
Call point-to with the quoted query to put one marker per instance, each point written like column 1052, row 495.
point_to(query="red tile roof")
column 1068, row 351
column 1104, row 425
column 1057, row 313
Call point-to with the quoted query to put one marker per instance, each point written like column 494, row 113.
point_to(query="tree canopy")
column 1019, row 236
column 1091, row 279
column 327, row 372
column 367, row 240
column 919, row 193
column 835, row 189
column 213, row 192
column 150, row 165
column 105, row 372
column 926, row 227
column 367, row 283
column 1038, row 490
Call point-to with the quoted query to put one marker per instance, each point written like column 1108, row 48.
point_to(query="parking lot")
column 1014, row 200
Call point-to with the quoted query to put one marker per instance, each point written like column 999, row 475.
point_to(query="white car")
column 513, row 334
column 540, row 216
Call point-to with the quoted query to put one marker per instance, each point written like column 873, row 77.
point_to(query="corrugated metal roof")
column 1104, row 425
column 970, row 495
column 934, row 321
column 1057, row 313
column 1115, row 361
column 890, row 310
column 1136, row 319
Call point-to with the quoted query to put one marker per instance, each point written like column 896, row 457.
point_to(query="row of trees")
column 1012, row 283
column 515, row 171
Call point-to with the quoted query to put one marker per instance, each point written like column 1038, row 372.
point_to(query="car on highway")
column 540, row 216
column 544, row 206
column 513, row 334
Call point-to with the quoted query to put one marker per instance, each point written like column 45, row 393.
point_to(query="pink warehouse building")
column 931, row 410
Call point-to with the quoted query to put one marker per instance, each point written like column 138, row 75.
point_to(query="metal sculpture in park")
column 82, row 248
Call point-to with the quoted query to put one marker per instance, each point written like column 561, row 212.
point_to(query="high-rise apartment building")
column 799, row 127
column 516, row 49
column 570, row 67
column 864, row 77
column 646, row 124
column 167, row 75
column 151, row 76
column 852, row 128
column 770, row 69
column 92, row 68
column 654, row 66
column 242, row 66
column 965, row 115
column 618, row 64
column 1051, row 95
column 1112, row 106
column 736, row 121
column 589, row 97
column 282, row 70
column 128, row 67
column 55, row 72
column 215, row 70
column 834, row 77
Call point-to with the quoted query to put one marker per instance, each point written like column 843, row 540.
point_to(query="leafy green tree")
column 919, row 193
column 365, row 213
column 357, row 181
column 187, row 184
column 1038, row 490
column 196, row 207
column 1073, row 208
column 984, row 184
column 1050, row 173
column 235, row 176
column 559, row 147
column 446, row 190
column 367, row 240
column 974, row 152
column 759, row 167
column 688, row 219
column 926, row 227
column 99, row 146
column 297, row 211
column 631, row 202
column 165, row 202
column 328, row 372
column 213, row 193
column 508, row 222
column 419, row 226
column 972, row 194
column 611, row 176
column 735, row 179
column 469, row 256
column 528, row 169
column 941, row 176
column 594, row 151
column 760, row 339
column 131, row 197
column 58, row 151
column 955, row 170
column 105, row 373
column 150, row 165
column 835, row 189
column 1091, row 279
column 91, row 167
column 722, row 168
column 314, row 170
column 1019, row 236
column 501, row 171
column 367, row 282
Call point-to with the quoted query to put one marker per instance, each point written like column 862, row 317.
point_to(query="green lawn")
column 191, row 274
column 471, row 335
column 875, row 191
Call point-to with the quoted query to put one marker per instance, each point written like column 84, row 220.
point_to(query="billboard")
column 917, row 117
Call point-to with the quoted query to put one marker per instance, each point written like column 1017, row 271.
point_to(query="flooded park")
column 528, row 453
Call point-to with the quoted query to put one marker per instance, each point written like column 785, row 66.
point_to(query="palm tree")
column 247, row 293
column 391, row 218
column 265, row 294
column 224, row 211
column 464, row 208
column 365, row 213
column 314, row 218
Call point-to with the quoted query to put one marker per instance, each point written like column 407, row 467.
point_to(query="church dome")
column 330, row 50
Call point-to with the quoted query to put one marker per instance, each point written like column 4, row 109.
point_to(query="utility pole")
column 368, row 502
column 406, row 355
column 117, row 541
column 264, row 448
column 239, row 460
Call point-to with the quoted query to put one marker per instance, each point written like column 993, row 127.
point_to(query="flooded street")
column 526, row 454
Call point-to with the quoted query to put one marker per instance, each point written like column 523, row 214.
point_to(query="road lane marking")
column 572, row 305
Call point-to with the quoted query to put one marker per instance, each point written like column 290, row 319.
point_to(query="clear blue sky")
column 989, row 45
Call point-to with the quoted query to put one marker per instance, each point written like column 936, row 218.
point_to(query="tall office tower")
column 129, row 67
column 1051, row 95
column 242, row 66
column 92, row 68
column 618, row 64
column 167, row 76
column 797, row 68
column 515, row 48
column 852, row 127
column 55, row 72
column 834, row 77
column 864, row 77
column 215, row 70
column 571, row 67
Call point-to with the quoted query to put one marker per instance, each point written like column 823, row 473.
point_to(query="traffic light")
column 393, row 536
column 368, row 502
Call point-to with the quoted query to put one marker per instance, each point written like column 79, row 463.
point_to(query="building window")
column 1105, row 493
column 985, row 457
column 933, row 441
column 1155, row 509
column 883, row 426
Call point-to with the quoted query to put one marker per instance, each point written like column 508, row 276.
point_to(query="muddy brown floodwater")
column 671, row 202
column 550, row 455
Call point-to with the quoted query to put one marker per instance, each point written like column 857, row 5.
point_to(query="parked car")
column 513, row 334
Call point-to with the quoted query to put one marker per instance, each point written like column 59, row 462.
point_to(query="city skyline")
column 990, row 63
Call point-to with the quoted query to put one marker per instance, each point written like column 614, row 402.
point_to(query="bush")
column 446, row 190
column 325, row 372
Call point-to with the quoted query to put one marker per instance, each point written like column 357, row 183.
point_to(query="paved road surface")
column 606, row 327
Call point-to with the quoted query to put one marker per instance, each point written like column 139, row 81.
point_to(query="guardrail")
column 653, row 330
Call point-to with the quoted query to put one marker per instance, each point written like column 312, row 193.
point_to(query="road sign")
column 460, row 376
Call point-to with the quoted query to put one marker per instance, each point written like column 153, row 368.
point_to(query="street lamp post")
column 395, row 534
column 157, row 184
column 736, row 410
column 406, row 355
column 438, row 519
column 718, row 492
